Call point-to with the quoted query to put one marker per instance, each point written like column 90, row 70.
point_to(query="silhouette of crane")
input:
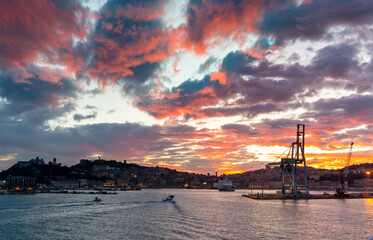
column 292, row 182
column 344, row 172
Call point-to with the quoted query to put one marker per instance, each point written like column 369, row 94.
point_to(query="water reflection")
column 369, row 201
column 194, row 214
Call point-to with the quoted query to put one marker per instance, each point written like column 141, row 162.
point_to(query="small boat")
column 97, row 199
column 168, row 198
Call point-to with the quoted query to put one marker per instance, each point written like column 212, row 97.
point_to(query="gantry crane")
column 292, row 183
column 344, row 172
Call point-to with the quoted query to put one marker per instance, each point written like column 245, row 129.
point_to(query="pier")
column 259, row 196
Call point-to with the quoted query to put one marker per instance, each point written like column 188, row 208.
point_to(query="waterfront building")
column 20, row 182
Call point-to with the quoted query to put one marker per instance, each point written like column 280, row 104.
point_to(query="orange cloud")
column 219, row 76
column 209, row 20
column 33, row 28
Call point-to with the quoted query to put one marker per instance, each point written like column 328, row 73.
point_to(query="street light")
column 368, row 173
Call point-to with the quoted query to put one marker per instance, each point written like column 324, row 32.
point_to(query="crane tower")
column 292, row 182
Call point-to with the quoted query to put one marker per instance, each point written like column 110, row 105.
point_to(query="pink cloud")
column 29, row 29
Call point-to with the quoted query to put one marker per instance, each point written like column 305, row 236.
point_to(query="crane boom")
column 344, row 172
column 349, row 155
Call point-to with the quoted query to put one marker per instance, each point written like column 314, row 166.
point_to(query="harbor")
column 295, row 179
column 192, row 214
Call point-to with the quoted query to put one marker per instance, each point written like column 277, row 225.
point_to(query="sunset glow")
column 199, row 86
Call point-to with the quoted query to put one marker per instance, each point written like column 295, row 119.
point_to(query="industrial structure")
column 344, row 172
column 294, row 183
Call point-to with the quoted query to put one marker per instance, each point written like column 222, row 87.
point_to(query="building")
column 20, row 182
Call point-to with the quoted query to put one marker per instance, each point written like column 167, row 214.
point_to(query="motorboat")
column 168, row 198
column 97, row 199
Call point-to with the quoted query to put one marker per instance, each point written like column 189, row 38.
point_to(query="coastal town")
column 36, row 175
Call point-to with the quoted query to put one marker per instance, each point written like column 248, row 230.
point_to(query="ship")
column 225, row 185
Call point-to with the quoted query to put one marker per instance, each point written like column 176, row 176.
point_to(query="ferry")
column 225, row 185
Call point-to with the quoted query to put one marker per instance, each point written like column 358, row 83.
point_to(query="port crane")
column 344, row 173
column 292, row 184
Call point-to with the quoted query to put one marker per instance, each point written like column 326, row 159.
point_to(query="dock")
column 58, row 192
column 259, row 196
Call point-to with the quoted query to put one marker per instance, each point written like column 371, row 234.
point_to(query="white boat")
column 168, row 198
column 225, row 185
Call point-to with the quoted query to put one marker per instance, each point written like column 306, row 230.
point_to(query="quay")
column 58, row 192
column 81, row 192
column 259, row 196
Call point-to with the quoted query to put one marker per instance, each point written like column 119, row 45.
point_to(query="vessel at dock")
column 225, row 185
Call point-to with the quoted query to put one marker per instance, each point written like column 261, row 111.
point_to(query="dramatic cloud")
column 35, row 101
column 129, row 41
column 312, row 20
column 200, row 85
column 33, row 29
column 211, row 19
column 259, row 84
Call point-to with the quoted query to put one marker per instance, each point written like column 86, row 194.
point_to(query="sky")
column 201, row 86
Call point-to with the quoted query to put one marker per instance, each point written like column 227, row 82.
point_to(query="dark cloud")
column 239, row 129
column 79, row 117
column 312, row 20
column 223, row 111
column 34, row 100
column 282, row 123
column 35, row 91
column 181, row 129
column 249, row 112
column 355, row 107
column 143, row 72
column 207, row 64
column 237, row 62
column 262, row 108
column 190, row 87
column 335, row 61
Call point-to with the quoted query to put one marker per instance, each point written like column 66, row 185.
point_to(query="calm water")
column 195, row 214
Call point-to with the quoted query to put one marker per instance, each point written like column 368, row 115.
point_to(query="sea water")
column 193, row 214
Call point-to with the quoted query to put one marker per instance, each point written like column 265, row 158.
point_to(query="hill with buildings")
column 102, row 173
